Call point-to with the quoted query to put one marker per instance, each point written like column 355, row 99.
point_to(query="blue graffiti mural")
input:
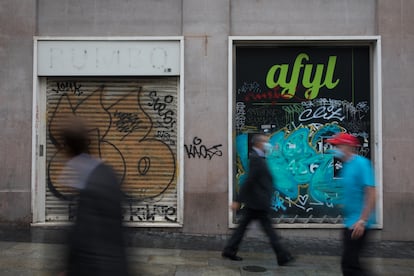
column 302, row 170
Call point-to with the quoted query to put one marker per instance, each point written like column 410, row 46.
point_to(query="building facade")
column 175, row 89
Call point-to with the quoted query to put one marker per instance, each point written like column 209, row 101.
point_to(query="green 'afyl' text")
column 277, row 76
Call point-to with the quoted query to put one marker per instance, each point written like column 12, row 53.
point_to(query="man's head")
column 74, row 136
column 259, row 141
column 345, row 142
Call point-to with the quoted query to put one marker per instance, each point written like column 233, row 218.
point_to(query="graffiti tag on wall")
column 198, row 150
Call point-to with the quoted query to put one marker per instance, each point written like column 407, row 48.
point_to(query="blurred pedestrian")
column 359, row 201
column 96, row 245
column 256, row 195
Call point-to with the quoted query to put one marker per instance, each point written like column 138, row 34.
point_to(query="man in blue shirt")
column 359, row 200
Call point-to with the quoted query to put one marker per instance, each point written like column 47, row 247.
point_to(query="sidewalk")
column 18, row 258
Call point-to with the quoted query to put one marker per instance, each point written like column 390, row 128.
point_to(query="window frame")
column 374, row 42
column 38, row 169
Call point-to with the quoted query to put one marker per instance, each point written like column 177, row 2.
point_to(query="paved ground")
column 25, row 258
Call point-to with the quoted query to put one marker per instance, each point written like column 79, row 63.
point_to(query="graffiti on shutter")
column 132, row 123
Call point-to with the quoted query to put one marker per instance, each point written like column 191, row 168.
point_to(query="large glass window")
column 300, row 95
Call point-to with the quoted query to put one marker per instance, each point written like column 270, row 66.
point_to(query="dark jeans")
column 350, row 256
column 264, row 218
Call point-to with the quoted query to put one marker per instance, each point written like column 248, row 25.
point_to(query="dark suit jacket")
column 257, row 191
column 96, row 242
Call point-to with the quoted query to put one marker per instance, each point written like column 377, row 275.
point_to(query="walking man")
column 359, row 201
column 96, row 245
column 256, row 195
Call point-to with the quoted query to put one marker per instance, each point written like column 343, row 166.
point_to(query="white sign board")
column 108, row 58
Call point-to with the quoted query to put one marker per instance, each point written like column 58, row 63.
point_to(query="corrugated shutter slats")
column 133, row 126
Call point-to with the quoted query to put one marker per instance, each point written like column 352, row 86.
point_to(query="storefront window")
column 300, row 95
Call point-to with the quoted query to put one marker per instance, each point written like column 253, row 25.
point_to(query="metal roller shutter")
column 133, row 126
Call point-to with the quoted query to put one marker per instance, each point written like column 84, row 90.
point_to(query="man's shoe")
column 285, row 260
column 232, row 257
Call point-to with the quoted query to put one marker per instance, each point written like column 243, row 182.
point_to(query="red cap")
column 343, row 138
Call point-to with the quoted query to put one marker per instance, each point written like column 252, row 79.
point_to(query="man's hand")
column 235, row 206
column 359, row 226
column 358, row 229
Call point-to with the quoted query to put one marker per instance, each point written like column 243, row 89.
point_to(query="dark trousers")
column 350, row 257
column 249, row 215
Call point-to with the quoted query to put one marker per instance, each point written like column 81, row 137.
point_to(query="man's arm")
column 369, row 205
column 254, row 167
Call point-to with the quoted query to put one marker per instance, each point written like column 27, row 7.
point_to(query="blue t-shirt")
column 356, row 174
